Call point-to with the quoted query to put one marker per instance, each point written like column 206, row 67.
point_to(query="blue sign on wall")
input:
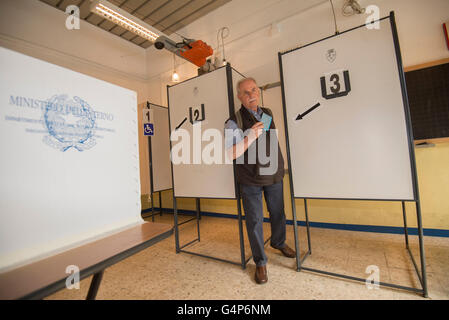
column 148, row 129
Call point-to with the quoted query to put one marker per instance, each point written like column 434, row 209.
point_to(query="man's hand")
column 255, row 132
column 238, row 149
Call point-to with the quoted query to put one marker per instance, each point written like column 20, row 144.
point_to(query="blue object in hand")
column 266, row 120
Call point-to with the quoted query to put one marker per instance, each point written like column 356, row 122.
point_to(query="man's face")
column 249, row 94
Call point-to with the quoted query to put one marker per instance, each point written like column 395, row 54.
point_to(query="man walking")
column 255, row 176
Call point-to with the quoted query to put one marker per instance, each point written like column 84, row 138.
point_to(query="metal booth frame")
column 180, row 248
column 300, row 261
column 150, row 164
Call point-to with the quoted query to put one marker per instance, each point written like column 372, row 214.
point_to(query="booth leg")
column 306, row 212
column 421, row 250
column 242, row 242
column 152, row 207
column 175, row 215
column 94, row 285
column 198, row 215
column 405, row 225
column 295, row 233
column 160, row 203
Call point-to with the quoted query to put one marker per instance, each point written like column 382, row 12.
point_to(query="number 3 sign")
column 335, row 84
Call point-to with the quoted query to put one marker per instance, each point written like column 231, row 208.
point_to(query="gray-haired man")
column 252, row 178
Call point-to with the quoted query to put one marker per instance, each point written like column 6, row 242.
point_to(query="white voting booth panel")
column 70, row 161
column 160, row 149
column 354, row 145
column 272, row 98
column 187, row 100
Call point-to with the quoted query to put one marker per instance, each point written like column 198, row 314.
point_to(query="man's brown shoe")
column 288, row 252
column 261, row 275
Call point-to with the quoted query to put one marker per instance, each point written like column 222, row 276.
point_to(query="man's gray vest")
column 249, row 173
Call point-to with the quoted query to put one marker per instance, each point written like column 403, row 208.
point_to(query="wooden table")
column 42, row 278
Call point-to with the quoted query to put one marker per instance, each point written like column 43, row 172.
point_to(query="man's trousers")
column 252, row 204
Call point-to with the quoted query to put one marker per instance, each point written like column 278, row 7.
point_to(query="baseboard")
column 338, row 226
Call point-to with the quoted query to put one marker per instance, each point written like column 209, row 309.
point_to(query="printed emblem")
column 70, row 123
column 331, row 55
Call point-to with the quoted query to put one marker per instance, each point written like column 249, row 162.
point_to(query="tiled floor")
column 159, row 273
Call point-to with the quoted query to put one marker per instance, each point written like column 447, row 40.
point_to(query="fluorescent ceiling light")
column 125, row 20
column 193, row 51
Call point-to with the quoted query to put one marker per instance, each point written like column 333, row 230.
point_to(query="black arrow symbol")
column 181, row 123
column 300, row 116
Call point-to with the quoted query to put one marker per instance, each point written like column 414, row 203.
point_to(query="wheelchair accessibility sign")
column 148, row 129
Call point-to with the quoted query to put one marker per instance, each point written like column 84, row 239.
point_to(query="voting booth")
column 348, row 128
column 198, row 109
column 156, row 129
column 69, row 168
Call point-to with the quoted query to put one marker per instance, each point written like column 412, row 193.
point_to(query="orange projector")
column 197, row 52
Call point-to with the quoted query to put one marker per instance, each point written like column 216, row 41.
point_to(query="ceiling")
column 167, row 16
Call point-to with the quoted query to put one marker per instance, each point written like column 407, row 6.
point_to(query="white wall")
column 253, row 51
column 252, row 48
column 37, row 29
